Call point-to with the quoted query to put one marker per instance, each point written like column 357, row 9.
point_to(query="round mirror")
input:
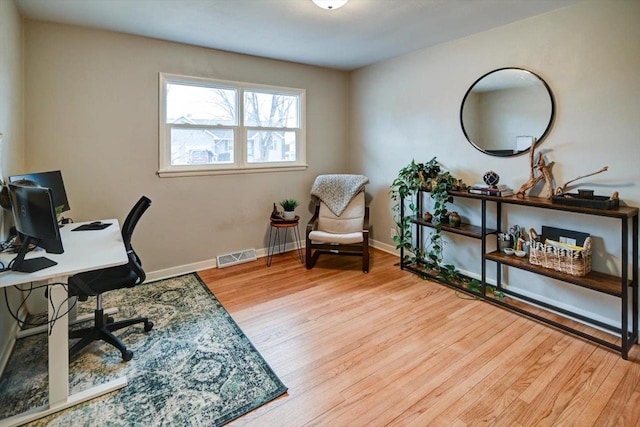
column 505, row 111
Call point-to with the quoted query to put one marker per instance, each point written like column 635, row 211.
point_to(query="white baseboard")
column 260, row 253
column 180, row 270
column 390, row 249
column 204, row 265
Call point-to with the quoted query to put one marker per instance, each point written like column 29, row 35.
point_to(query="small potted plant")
column 289, row 206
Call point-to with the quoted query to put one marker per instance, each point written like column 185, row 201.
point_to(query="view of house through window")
column 266, row 115
column 205, row 126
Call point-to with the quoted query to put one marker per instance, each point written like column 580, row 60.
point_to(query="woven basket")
column 575, row 263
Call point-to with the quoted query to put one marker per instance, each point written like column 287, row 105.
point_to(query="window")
column 213, row 126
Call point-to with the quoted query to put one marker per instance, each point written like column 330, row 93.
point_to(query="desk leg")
column 58, row 354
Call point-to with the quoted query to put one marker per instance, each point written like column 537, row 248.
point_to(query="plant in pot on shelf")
column 440, row 186
column 410, row 180
column 289, row 206
column 428, row 177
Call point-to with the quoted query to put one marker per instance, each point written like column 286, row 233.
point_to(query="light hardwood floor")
column 387, row 348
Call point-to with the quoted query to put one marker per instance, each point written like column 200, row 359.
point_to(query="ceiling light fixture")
column 330, row 4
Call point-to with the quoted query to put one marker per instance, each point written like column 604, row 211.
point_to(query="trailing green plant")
column 476, row 286
column 289, row 205
column 410, row 180
column 440, row 187
column 404, row 188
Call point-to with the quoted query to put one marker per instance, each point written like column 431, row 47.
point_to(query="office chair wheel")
column 148, row 326
column 127, row 355
column 110, row 319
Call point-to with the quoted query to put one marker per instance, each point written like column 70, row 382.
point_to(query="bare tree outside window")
column 277, row 113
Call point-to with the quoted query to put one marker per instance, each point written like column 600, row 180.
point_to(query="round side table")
column 275, row 239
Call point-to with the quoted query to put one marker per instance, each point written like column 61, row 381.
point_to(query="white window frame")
column 240, row 163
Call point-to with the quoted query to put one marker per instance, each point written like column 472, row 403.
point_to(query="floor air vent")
column 234, row 258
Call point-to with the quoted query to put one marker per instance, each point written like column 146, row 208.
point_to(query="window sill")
column 173, row 173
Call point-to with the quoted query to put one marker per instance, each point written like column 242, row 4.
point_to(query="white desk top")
column 83, row 251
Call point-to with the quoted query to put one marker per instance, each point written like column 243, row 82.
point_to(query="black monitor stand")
column 30, row 265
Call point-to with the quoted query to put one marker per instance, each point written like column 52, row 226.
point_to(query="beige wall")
column 12, row 128
column 11, row 90
column 92, row 111
column 408, row 107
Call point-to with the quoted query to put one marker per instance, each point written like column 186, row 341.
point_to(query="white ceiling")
column 360, row 33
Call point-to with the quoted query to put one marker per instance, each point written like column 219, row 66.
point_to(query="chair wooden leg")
column 307, row 259
column 365, row 262
column 365, row 254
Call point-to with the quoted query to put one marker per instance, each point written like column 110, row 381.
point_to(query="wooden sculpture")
column 275, row 215
column 543, row 174
column 563, row 188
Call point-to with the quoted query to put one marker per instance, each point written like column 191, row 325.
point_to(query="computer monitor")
column 36, row 220
column 52, row 180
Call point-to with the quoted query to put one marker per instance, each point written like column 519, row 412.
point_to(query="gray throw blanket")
column 336, row 191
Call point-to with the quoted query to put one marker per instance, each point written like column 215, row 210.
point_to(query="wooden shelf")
column 465, row 229
column 541, row 202
column 600, row 282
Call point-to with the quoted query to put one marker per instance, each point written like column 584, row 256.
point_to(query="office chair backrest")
column 127, row 232
column 132, row 219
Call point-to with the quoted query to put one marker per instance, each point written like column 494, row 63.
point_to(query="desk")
column 83, row 251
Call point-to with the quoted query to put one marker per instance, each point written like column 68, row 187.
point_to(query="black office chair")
column 95, row 283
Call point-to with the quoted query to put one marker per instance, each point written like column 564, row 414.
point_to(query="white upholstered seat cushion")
column 342, row 239
column 343, row 229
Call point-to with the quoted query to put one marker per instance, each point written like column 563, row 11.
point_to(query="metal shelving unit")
column 555, row 315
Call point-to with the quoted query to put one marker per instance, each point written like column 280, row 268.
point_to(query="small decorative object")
column 289, row 206
column 585, row 194
column 454, row 219
column 444, row 218
column 491, row 178
column 508, row 251
column 505, row 241
column 519, row 254
column 543, row 174
column 594, row 202
column 275, row 215
column 428, row 216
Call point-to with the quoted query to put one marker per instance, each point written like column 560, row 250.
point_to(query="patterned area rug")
column 195, row 368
